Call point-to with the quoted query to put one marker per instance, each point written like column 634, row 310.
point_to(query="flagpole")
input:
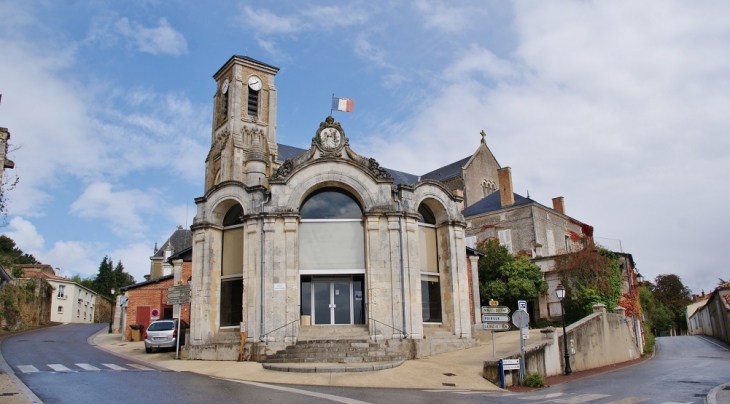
column 331, row 102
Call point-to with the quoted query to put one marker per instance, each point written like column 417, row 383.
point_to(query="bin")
column 136, row 332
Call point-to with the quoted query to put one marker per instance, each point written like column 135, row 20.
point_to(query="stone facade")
column 255, row 199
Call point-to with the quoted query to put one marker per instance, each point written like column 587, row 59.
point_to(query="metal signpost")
column 521, row 319
column 495, row 318
column 177, row 295
column 507, row 364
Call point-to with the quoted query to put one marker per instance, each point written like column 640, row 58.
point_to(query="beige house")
column 70, row 302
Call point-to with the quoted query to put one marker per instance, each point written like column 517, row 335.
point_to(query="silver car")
column 163, row 334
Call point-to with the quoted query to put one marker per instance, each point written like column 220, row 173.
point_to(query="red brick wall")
column 154, row 295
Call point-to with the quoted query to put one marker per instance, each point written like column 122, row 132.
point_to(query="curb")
column 712, row 395
column 330, row 369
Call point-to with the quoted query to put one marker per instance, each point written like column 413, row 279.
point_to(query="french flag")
column 343, row 104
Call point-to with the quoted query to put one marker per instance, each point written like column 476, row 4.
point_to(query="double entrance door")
column 334, row 300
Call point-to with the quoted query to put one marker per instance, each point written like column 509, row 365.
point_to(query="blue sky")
column 620, row 107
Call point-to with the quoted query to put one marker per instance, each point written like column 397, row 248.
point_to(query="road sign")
column 181, row 300
column 495, row 310
column 178, row 293
column 522, row 305
column 496, row 326
column 525, row 333
column 487, row 318
column 511, row 364
column 178, row 287
column 493, row 302
column 520, row 318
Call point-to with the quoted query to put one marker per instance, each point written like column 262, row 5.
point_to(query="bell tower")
column 243, row 143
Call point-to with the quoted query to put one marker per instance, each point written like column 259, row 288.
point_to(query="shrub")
column 534, row 380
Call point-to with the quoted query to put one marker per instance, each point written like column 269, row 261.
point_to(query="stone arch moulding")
column 437, row 195
column 329, row 179
column 219, row 204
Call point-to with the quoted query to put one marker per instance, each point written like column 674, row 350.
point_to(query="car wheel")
column 148, row 350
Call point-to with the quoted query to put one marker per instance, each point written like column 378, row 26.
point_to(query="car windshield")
column 162, row 326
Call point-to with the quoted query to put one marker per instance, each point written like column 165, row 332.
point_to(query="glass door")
column 332, row 301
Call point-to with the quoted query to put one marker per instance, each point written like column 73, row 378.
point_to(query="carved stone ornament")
column 218, row 144
column 330, row 138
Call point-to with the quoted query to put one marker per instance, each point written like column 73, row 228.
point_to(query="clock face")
column 331, row 138
column 254, row 83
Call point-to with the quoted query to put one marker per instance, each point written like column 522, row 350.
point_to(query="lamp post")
column 560, row 292
column 639, row 279
column 111, row 312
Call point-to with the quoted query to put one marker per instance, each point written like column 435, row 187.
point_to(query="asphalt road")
column 60, row 366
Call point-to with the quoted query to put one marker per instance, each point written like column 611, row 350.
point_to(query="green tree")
column 104, row 281
column 85, row 282
column 590, row 276
column 505, row 278
column 11, row 256
column 122, row 278
column 671, row 292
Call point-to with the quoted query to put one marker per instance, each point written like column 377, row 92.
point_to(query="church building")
column 320, row 244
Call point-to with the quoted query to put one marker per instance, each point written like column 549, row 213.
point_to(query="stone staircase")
column 340, row 344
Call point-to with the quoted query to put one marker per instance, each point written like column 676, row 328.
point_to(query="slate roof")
column 287, row 152
column 149, row 282
column 492, row 203
column 447, row 171
column 180, row 240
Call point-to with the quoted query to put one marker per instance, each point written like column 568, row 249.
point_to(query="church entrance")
column 334, row 300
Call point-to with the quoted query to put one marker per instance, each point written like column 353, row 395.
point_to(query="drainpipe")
column 261, row 272
column 402, row 270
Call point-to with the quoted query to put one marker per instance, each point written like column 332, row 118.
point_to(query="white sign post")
column 495, row 318
column 521, row 319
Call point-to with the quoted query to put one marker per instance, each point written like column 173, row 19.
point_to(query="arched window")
column 430, row 274
column 231, row 301
column 332, row 258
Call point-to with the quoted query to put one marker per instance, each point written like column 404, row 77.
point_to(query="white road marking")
column 58, row 367
column 542, row 397
column 629, row 400
column 583, row 398
column 139, row 367
column 113, row 366
column 86, row 366
column 330, row 397
column 27, row 368
column 714, row 343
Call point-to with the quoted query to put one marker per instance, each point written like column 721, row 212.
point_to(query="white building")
column 70, row 302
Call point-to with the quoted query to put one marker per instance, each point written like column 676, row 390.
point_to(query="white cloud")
column 73, row 257
column 135, row 258
column 124, row 210
column 448, row 16
column 265, row 22
column 25, row 235
column 618, row 107
column 162, row 39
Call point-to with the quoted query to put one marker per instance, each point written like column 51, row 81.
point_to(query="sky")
column 616, row 106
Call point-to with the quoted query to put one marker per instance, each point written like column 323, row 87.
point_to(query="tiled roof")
column 287, row 152
column 447, row 171
column 180, row 240
column 492, row 203
column 37, row 274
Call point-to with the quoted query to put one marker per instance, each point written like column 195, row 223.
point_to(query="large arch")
column 332, row 257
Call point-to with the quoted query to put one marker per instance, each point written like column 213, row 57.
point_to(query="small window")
column 61, row 291
column 60, row 309
column 505, row 239
column 567, row 243
column 253, row 103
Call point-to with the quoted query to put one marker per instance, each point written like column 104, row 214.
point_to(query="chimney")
column 559, row 204
column 506, row 195
column 57, row 271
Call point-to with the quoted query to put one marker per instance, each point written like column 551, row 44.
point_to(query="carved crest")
column 330, row 137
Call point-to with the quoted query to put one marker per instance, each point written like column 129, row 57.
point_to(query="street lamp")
column 560, row 291
column 111, row 312
column 639, row 279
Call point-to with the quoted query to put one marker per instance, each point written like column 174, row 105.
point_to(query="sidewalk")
column 464, row 368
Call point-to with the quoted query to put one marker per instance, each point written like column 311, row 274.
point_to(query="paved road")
column 61, row 367
column 684, row 371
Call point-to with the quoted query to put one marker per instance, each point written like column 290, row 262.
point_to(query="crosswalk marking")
column 139, row 367
column 59, row 368
column 86, row 366
column 629, row 400
column 583, row 398
column 27, row 368
column 113, row 366
column 542, row 396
